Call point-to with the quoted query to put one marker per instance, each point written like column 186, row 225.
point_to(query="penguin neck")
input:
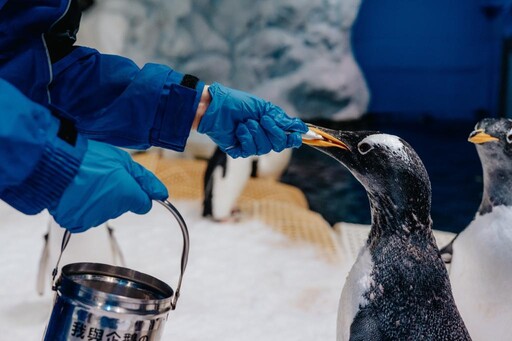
column 395, row 215
column 497, row 190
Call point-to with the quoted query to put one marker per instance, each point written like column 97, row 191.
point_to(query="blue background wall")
column 439, row 58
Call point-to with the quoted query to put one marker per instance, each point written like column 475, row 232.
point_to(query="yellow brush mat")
column 281, row 206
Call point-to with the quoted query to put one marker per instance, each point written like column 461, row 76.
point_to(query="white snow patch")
column 243, row 282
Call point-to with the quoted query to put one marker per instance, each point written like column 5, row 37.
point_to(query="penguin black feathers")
column 398, row 288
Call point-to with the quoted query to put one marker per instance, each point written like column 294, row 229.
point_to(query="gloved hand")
column 244, row 125
column 108, row 184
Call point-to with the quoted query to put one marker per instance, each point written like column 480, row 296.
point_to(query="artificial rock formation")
column 295, row 53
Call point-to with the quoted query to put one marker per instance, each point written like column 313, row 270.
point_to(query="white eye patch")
column 390, row 142
column 509, row 136
column 364, row 147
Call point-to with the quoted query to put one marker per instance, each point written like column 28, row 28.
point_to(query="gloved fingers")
column 276, row 135
column 78, row 221
column 246, row 140
column 234, row 152
column 91, row 210
column 294, row 140
column 285, row 122
column 134, row 198
column 263, row 145
column 148, row 181
column 123, row 188
column 140, row 204
column 108, row 184
column 226, row 140
column 73, row 225
column 72, row 212
column 78, row 229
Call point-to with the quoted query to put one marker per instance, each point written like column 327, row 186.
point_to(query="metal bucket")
column 103, row 302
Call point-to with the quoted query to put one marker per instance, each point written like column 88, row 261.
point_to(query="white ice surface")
column 243, row 281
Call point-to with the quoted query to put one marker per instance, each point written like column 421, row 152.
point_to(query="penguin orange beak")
column 479, row 136
column 319, row 138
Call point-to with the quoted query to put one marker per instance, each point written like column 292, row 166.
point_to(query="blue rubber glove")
column 244, row 125
column 108, row 184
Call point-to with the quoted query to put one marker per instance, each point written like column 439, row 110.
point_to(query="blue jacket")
column 109, row 97
column 36, row 165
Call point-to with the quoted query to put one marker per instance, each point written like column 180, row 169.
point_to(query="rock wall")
column 295, row 53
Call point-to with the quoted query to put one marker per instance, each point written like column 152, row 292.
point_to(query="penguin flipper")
column 218, row 159
column 365, row 327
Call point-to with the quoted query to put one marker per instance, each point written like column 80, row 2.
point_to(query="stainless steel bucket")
column 101, row 302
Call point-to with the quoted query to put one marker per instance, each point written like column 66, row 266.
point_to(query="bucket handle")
column 184, row 255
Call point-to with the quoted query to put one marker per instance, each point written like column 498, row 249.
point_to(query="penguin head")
column 387, row 166
column 493, row 140
column 381, row 162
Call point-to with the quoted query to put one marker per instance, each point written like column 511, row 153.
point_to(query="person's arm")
column 37, row 158
column 204, row 103
column 115, row 101
column 45, row 163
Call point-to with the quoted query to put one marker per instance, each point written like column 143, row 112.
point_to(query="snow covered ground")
column 244, row 281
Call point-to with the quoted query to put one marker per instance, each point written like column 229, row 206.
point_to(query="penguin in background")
column 225, row 179
column 398, row 288
column 481, row 255
column 98, row 245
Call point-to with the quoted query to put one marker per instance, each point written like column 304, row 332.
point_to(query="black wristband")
column 189, row 81
column 67, row 131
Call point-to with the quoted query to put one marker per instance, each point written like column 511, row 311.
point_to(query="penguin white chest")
column 359, row 281
column 481, row 275
column 226, row 188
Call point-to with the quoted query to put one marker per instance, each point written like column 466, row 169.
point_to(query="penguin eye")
column 509, row 136
column 364, row 147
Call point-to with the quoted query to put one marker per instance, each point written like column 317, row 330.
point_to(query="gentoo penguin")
column 225, row 179
column 398, row 288
column 97, row 245
column 481, row 262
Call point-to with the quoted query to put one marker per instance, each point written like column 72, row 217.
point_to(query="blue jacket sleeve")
column 35, row 164
column 114, row 101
